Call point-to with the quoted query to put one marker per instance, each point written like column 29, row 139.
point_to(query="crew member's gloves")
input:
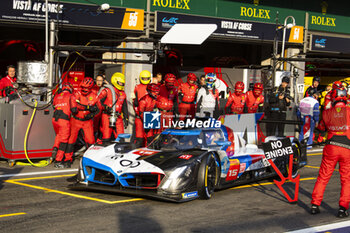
column 92, row 108
column 108, row 109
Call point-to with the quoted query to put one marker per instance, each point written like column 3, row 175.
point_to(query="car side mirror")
column 122, row 135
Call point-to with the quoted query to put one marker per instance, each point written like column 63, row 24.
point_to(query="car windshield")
column 169, row 141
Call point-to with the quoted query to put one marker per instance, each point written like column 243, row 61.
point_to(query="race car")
column 179, row 165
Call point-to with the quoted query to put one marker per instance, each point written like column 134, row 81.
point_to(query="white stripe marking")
column 327, row 227
column 39, row 173
column 315, row 150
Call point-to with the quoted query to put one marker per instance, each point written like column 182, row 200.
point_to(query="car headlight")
column 177, row 178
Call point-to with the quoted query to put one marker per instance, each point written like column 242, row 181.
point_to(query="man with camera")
column 279, row 99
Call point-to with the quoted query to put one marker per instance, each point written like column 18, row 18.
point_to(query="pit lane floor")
column 33, row 201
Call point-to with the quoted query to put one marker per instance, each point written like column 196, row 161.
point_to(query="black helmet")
column 285, row 79
column 316, row 78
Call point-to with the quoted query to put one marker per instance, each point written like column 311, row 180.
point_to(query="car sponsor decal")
column 190, row 195
column 96, row 148
column 233, row 170
column 143, row 152
column 187, row 157
column 242, row 167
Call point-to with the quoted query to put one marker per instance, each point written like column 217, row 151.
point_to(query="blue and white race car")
column 179, row 165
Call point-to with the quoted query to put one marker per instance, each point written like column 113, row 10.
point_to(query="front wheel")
column 296, row 161
column 208, row 175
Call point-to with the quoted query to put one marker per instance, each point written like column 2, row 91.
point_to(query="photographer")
column 278, row 99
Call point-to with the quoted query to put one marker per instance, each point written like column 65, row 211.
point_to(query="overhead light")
column 104, row 7
column 290, row 25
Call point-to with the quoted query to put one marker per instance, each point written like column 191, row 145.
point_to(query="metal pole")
column 148, row 18
column 46, row 32
column 284, row 32
column 275, row 49
column 51, row 59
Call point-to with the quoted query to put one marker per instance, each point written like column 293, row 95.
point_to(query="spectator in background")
column 8, row 83
column 208, row 98
column 157, row 79
column 279, row 99
column 202, row 82
column 315, row 83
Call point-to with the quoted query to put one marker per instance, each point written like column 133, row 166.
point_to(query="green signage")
column 329, row 23
column 250, row 10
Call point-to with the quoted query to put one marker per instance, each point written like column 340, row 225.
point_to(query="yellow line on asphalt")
column 9, row 215
column 320, row 153
column 267, row 183
column 72, row 194
column 39, row 178
column 318, row 167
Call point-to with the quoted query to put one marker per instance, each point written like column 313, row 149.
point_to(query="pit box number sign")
column 277, row 148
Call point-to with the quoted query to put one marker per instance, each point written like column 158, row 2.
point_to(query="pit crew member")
column 120, row 104
column 309, row 113
column 187, row 97
column 139, row 92
column 83, row 120
column 255, row 99
column 8, row 83
column 337, row 150
column 166, row 101
column 236, row 100
column 64, row 105
column 148, row 103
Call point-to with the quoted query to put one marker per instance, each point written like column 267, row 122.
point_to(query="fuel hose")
column 42, row 163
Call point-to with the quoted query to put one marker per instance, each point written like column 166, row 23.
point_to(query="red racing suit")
column 165, row 104
column 235, row 103
column 98, row 116
column 121, row 109
column 139, row 92
column 5, row 83
column 328, row 100
column 253, row 103
column 64, row 105
column 187, row 97
column 82, row 120
column 336, row 122
column 147, row 104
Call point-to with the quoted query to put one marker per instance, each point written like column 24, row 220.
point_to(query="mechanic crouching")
column 337, row 149
column 82, row 120
column 64, row 105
